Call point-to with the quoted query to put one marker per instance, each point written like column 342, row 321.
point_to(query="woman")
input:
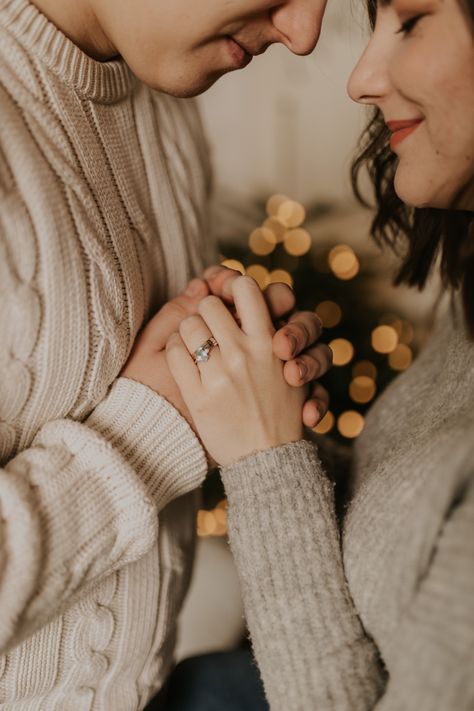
column 377, row 613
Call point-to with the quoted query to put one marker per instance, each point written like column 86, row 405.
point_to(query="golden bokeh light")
column 404, row 329
column 330, row 313
column 262, row 241
column 408, row 333
column 364, row 367
column 206, row 523
column 274, row 202
column 213, row 523
column 362, row 389
column 326, row 424
column 278, row 228
column 350, row 424
column 291, row 213
column 400, row 358
column 384, row 339
column 297, row 242
column 260, row 274
column 280, row 276
column 342, row 351
column 234, row 264
column 343, row 262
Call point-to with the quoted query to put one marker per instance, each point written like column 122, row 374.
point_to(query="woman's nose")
column 369, row 81
column 298, row 23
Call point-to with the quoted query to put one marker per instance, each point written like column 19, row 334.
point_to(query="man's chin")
column 186, row 89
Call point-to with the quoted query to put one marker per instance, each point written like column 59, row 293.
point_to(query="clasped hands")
column 256, row 390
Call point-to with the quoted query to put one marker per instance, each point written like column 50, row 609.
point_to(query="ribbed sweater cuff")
column 154, row 439
column 262, row 472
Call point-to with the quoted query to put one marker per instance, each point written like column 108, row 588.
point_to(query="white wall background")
column 285, row 123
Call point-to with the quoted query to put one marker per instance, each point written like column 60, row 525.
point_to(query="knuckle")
column 190, row 324
column 237, row 360
column 208, row 302
column 175, row 310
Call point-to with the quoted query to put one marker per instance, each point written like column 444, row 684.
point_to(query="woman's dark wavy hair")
column 418, row 235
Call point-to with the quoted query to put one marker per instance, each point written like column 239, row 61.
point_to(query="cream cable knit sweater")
column 103, row 188
column 384, row 618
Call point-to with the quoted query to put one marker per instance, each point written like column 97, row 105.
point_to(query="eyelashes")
column 409, row 24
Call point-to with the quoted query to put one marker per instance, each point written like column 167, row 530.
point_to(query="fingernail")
column 293, row 342
column 303, row 370
column 193, row 288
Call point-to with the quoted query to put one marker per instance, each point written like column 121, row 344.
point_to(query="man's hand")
column 147, row 361
column 295, row 342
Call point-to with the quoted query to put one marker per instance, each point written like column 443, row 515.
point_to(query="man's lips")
column 239, row 54
column 401, row 129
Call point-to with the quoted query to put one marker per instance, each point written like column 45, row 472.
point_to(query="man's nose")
column 298, row 23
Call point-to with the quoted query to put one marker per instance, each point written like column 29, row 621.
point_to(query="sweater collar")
column 103, row 82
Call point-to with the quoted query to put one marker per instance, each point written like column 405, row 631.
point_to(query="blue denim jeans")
column 225, row 681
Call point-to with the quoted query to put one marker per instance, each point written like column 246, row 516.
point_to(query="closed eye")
column 410, row 24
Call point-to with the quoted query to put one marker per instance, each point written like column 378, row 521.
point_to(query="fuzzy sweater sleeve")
column 308, row 640
column 83, row 501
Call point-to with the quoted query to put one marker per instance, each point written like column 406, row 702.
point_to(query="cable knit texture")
column 103, row 203
column 380, row 616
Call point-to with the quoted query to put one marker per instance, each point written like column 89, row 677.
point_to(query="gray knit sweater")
column 377, row 613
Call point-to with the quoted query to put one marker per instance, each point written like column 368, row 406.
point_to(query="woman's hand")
column 239, row 399
column 295, row 342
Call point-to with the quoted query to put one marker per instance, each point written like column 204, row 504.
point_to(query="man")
column 103, row 190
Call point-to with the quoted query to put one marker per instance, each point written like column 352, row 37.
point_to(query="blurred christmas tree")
column 369, row 347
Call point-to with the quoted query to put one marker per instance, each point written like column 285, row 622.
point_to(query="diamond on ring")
column 201, row 354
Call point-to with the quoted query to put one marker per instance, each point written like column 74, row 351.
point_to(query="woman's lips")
column 240, row 58
column 402, row 129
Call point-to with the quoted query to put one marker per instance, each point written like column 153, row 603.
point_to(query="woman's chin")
column 425, row 192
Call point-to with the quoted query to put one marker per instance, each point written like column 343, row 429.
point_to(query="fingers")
column 219, row 280
column 302, row 331
column 308, row 366
column 220, row 322
column 167, row 320
column 181, row 365
column 316, row 406
column 251, row 307
column 279, row 297
column 195, row 333
column 280, row 300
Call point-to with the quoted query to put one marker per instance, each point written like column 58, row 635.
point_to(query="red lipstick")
column 402, row 129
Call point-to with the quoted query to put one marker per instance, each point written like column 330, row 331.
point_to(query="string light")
column 343, row 262
column 364, row 367
column 384, row 339
column 350, row 424
column 278, row 228
column 326, row 424
column 408, row 333
column 214, row 522
column 330, row 313
column 260, row 274
column 362, row 389
column 291, row 213
column 281, row 275
column 342, row 351
column 262, row 241
column 273, row 204
column 400, row 358
column 234, row 264
column 297, row 242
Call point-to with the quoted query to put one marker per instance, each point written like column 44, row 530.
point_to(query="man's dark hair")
column 417, row 235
